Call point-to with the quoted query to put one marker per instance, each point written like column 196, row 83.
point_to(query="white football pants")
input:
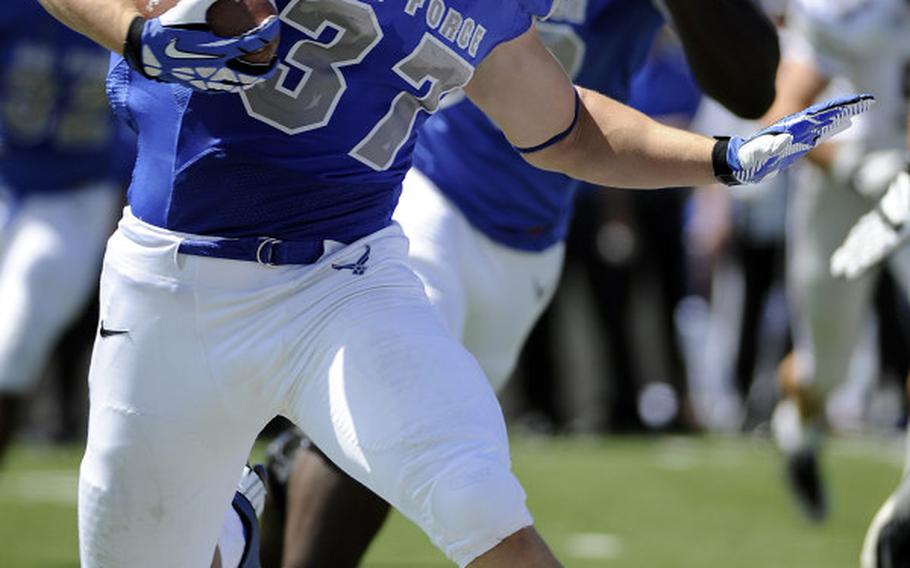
column 200, row 353
column 489, row 294
column 50, row 253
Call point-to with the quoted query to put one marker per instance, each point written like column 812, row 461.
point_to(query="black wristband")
column 132, row 46
column 722, row 170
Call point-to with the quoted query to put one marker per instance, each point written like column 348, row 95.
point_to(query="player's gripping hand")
column 877, row 233
column 175, row 48
column 750, row 160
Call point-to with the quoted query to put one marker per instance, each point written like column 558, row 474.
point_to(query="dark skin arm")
column 733, row 50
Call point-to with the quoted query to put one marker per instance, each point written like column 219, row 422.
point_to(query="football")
column 226, row 18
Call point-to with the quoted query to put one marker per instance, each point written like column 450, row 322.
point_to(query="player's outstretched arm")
column 593, row 138
column 737, row 67
column 176, row 47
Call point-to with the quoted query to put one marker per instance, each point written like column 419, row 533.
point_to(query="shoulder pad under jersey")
column 541, row 9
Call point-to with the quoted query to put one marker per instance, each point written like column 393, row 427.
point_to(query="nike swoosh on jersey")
column 173, row 52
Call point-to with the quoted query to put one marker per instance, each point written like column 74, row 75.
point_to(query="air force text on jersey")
column 450, row 23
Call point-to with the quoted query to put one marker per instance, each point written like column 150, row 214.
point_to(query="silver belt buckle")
column 267, row 244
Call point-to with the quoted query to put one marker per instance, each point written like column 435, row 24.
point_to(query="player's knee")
column 474, row 507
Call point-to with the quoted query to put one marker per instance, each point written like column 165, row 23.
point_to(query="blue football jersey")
column 319, row 150
column 601, row 43
column 56, row 129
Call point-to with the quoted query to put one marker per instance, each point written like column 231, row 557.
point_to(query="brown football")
column 226, row 18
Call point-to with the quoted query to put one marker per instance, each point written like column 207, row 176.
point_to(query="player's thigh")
column 506, row 297
column 436, row 231
column 400, row 405
column 828, row 313
column 163, row 452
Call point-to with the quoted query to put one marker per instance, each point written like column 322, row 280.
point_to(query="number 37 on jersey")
column 338, row 35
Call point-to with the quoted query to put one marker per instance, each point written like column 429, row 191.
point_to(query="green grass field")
column 666, row 503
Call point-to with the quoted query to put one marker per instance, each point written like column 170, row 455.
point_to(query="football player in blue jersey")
column 487, row 232
column 257, row 270
column 61, row 166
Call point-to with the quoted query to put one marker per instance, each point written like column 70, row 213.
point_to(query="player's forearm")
column 616, row 146
column 733, row 50
column 104, row 21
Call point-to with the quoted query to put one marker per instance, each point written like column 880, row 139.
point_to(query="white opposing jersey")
column 866, row 42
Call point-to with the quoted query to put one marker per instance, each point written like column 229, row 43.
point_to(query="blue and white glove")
column 746, row 161
column 878, row 233
column 178, row 47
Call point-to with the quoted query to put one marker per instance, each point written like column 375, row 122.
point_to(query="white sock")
column 791, row 433
column 232, row 540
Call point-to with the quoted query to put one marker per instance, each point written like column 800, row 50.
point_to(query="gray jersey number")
column 310, row 104
column 432, row 62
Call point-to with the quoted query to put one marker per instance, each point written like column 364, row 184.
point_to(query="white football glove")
column 877, row 233
column 869, row 174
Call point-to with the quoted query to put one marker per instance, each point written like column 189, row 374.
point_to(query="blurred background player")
column 875, row 236
column 487, row 234
column 62, row 162
column 867, row 43
column 878, row 236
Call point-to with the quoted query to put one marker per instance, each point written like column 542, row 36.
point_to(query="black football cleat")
column 806, row 484
column 799, row 442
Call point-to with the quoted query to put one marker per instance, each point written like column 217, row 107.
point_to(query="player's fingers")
column 832, row 129
column 260, row 36
column 249, row 73
column 234, row 47
column 851, row 105
column 833, row 117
